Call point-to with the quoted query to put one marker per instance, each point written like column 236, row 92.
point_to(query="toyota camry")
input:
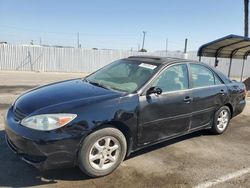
column 96, row 121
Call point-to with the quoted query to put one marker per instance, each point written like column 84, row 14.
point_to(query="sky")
column 118, row 24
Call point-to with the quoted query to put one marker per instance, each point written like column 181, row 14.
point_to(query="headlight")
column 46, row 122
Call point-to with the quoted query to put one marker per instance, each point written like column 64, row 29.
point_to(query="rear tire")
column 221, row 120
column 102, row 152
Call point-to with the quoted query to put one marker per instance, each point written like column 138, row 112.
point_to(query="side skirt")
column 204, row 127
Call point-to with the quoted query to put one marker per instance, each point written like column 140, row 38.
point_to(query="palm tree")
column 246, row 2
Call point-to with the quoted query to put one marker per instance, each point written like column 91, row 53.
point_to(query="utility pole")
column 143, row 40
column 185, row 49
column 78, row 44
column 246, row 5
column 166, row 46
column 40, row 41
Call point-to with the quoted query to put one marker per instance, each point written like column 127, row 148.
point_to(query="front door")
column 169, row 113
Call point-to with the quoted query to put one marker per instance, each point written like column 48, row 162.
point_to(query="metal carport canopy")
column 231, row 46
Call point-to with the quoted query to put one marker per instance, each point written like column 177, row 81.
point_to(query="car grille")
column 18, row 115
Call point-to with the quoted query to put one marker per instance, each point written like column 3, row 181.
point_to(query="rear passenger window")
column 202, row 76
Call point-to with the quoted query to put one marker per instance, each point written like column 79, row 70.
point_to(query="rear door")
column 209, row 94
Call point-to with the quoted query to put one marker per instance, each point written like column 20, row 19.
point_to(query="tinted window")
column 173, row 78
column 202, row 76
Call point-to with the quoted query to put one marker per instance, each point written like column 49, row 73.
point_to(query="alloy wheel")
column 104, row 153
column 223, row 120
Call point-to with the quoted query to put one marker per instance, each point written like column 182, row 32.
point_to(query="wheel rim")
column 104, row 153
column 222, row 120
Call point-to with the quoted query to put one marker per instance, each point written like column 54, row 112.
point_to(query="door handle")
column 187, row 99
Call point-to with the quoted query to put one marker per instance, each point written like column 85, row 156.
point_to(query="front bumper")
column 42, row 149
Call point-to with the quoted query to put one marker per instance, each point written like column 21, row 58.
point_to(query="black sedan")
column 95, row 122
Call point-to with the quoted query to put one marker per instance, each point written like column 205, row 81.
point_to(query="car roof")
column 157, row 59
column 162, row 61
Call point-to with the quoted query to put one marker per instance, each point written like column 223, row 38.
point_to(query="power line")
column 64, row 33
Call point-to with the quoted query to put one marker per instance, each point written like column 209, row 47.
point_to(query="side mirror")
column 154, row 90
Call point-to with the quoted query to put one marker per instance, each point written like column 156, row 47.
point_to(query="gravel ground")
column 184, row 162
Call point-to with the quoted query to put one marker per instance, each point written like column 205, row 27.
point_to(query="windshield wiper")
column 97, row 84
column 103, row 86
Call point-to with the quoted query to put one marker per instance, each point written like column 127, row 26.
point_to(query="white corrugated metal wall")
column 52, row 59
column 56, row 59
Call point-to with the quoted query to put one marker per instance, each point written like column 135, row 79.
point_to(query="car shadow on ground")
column 16, row 173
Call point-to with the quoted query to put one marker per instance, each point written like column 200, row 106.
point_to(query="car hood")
column 59, row 93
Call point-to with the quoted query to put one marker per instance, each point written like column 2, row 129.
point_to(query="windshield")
column 123, row 75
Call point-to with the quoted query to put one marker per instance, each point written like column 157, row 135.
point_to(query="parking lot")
column 199, row 159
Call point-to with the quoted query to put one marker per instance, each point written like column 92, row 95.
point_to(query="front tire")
column 221, row 120
column 102, row 152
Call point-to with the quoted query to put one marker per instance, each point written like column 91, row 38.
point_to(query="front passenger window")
column 173, row 78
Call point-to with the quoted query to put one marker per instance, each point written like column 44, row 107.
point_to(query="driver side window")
column 173, row 78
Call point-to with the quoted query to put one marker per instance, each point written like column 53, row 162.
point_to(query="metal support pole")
column 246, row 12
column 185, row 46
column 216, row 62
column 199, row 58
column 143, row 40
column 242, row 70
column 230, row 65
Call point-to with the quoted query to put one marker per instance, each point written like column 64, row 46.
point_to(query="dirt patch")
column 4, row 106
column 130, row 177
column 15, row 89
